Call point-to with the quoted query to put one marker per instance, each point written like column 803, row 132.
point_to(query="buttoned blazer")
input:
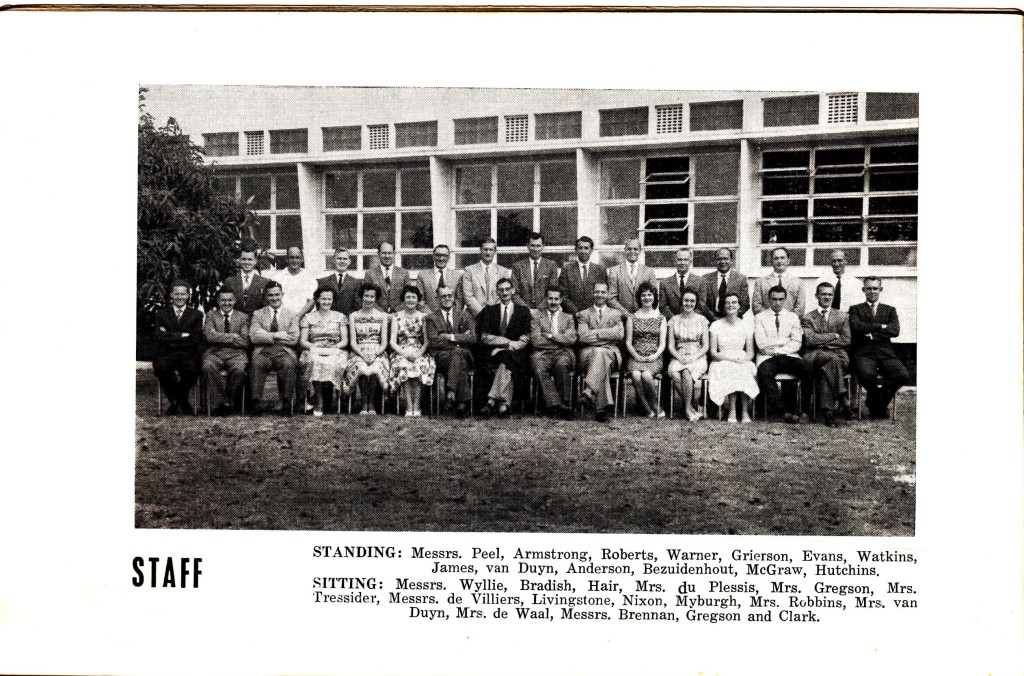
column 346, row 299
column 251, row 299
column 861, row 324
column 578, row 293
column 391, row 294
column 766, row 336
column 218, row 339
column 670, row 296
column 794, row 286
column 541, row 325
column 427, row 280
column 462, row 322
column 605, row 332
column 259, row 328
column 734, row 283
column 831, row 335
column 622, row 291
column 169, row 330
column 534, row 292
column 474, row 291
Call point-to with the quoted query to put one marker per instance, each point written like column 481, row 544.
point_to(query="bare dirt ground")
column 524, row 474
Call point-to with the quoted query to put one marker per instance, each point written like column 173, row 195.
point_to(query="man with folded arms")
column 778, row 336
column 553, row 334
column 273, row 332
column 450, row 338
column 600, row 331
column 179, row 333
column 227, row 331
column 504, row 330
column 826, row 337
column 878, row 369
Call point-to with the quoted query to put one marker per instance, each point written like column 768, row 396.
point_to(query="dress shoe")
column 486, row 411
column 586, row 399
column 602, row 416
column 186, row 408
column 791, row 418
column 828, row 419
column 286, row 408
column 879, row 414
column 460, row 410
column 566, row 413
column 804, row 419
column 845, row 412
column 172, row 409
column 503, row 411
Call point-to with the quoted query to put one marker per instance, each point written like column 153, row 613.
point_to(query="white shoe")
column 318, row 414
column 661, row 414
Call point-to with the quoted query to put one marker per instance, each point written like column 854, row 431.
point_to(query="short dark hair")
column 488, row 240
column 272, row 285
column 586, row 240
column 380, row 244
column 551, row 288
column 872, row 278
column 731, row 293
column 320, row 291
column 821, row 286
column 369, row 286
column 534, row 236
column 442, row 246
column 777, row 289
column 646, row 286
column 689, row 290
column 249, row 246
column 225, row 289
column 780, row 248
column 504, row 280
column 412, row 288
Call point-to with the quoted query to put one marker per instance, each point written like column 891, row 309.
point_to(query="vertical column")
column 588, row 186
column 313, row 227
column 748, row 255
column 442, row 187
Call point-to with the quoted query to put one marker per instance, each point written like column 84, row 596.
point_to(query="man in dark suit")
column 826, row 337
column 344, row 285
column 577, row 278
column 450, row 337
column 248, row 284
column 179, row 334
column 390, row 278
column 873, row 325
column 717, row 285
column 227, row 332
column 430, row 282
column 670, row 300
column 533, row 275
column 504, row 330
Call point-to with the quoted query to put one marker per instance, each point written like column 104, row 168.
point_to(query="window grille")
column 517, row 128
column 791, row 111
column 891, row 106
column 343, row 138
column 842, row 108
column 471, row 130
column 289, row 141
column 714, row 115
column 669, row 119
column 624, row 121
column 254, row 142
column 379, row 136
column 221, row 144
column 558, row 125
column 416, row 134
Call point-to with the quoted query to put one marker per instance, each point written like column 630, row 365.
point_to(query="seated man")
column 450, row 337
column 227, row 332
column 178, row 336
column 274, row 332
column 553, row 334
column 504, row 330
column 873, row 326
column 826, row 337
column 600, row 331
column 777, row 335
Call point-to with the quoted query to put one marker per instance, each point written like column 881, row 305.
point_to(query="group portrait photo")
column 526, row 310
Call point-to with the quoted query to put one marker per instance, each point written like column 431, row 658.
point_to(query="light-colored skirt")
column 653, row 367
column 328, row 367
column 357, row 366
column 726, row 377
column 697, row 367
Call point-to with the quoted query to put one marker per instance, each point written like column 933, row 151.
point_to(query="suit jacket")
column 427, row 281
column 475, row 293
column 259, row 328
column 734, row 283
column 833, row 335
column 605, row 332
column 489, row 321
column 795, row 297
column 218, row 339
column 670, row 300
column 346, row 299
column 534, row 292
column 391, row 294
column 169, row 330
column 622, row 291
column 788, row 338
column 578, row 293
column 880, row 342
column 462, row 322
column 251, row 299
column 541, row 325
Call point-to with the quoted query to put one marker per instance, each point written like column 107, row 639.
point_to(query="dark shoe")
column 186, row 408
column 602, row 416
column 172, row 409
column 460, row 410
column 586, row 400
column 566, row 413
column 845, row 412
column 791, row 418
column 486, row 411
column 804, row 419
column 879, row 414
column 828, row 419
column 286, row 408
column 255, row 408
column 503, row 411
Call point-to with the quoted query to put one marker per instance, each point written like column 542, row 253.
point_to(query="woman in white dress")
column 411, row 366
column 688, row 344
column 732, row 375
column 323, row 335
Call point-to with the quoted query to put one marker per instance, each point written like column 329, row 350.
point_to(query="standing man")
column 780, row 276
column 624, row 278
column 553, row 334
column 344, row 285
column 534, row 275
column 875, row 363
column 440, row 276
column 717, row 285
column 248, row 284
column 179, row 333
column 670, row 300
column 273, row 332
column 600, row 331
column 826, row 337
column 504, row 330
column 227, row 332
column 778, row 337
column 479, row 280
column 843, row 283
column 389, row 277
column 297, row 283
column 450, row 337
column 577, row 278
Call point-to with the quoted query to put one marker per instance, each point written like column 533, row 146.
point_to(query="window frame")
column 273, row 212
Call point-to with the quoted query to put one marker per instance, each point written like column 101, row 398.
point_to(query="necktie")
column 836, row 296
column 824, row 319
column 177, row 314
column 227, row 323
column 777, row 326
column 554, row 324
column 246, row 281
column 440, row 278
column 872, row 310
column 273, row 323
column 780, row 280
column 504, row 319
column 600, row 315
column 533, row 273
column 341, row 278
column 721, row 296
column 448, row 321
column 487, row 282
column 387, row 277
column 583, row 273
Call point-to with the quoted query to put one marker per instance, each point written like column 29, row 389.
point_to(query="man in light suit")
column 778, row 337
column 390, row 278
column 577, row 277
column 344, row 285
column 670, row 299
column 273, row 332
column 780, row 276
column 873, row 326
column 179, row 334
column 451, row 336
column 504, row 330
column 624, row 278
column 826, row 337
column 534, row 275
column 600, row 331
column 718, row 284
column 843, row 283
column 430, row 282
column 227, row 332
column 553, row 334
column 479, row 280
column 248, row 284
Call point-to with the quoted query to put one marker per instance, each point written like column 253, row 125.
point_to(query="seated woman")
column 732, row 374
column 323, row 335
column 688, row 344
column 411, row 366
column 645, row 344
column 368, row 340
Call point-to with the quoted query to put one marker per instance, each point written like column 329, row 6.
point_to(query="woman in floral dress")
column 368, row 340
column 411, row 366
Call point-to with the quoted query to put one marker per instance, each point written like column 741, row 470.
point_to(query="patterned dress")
column 370, row 326
column 726, row 377
column 690, row 336
column 646, row 336
column 327, row 362
column 411, row 334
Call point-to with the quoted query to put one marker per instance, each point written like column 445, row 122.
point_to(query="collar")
column 175, row 309
column 386, row 271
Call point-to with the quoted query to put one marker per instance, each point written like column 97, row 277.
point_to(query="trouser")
column 823, row 374
column 882, row 377
column 769, row 387
column 177, row 373
column 454, row 365
column 551, row 369
column 275, row 358
column 598, row 362
column 502, row 386
column 220, row 389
